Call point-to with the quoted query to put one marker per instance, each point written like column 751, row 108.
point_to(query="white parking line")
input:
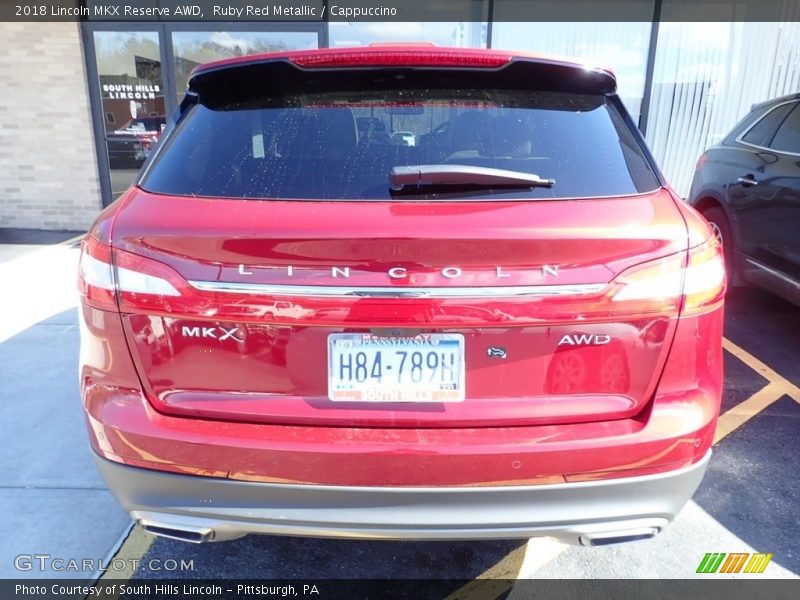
column 777, row 387
column 41, row 284
column 72, row 240
column 538, row 553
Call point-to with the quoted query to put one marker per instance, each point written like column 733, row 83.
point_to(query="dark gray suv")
column 748, row 187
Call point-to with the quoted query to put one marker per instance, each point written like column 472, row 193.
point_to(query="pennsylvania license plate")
column 367, row 368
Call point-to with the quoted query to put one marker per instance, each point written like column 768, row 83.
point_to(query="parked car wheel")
column 722, row 230
column 753, row 176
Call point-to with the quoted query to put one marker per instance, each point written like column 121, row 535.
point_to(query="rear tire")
column 722, row 230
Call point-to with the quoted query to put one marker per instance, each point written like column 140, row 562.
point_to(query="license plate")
column 367, row 368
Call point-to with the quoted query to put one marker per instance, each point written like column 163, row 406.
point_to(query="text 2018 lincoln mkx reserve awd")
column 401, row 292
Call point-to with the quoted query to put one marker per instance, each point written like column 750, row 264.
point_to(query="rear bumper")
column 198, row 508
column 674, row 431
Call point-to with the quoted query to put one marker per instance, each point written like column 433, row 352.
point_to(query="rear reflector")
column 405, row 58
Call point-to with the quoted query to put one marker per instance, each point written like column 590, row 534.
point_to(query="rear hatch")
column 267, row 229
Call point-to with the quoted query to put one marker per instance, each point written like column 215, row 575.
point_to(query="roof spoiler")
column 294, row 72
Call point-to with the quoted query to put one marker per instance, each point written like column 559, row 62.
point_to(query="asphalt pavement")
column 53, row 501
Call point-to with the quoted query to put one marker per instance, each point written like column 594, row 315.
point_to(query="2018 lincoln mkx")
column 401, row 292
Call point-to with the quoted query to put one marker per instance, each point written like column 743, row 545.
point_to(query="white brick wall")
column 48, row 163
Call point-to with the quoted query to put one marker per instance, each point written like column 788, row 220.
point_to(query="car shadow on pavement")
column 263, row 557
column 751, row 486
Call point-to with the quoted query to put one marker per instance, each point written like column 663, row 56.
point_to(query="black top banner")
column 400, row 10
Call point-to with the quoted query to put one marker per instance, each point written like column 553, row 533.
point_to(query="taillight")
column 654, row 286
column 405, row 57
column 690, row 283
column 95, row 277
column 705, row 277
column 700, row 162
column 676, row 282
column 136, row 275
column 137, row 280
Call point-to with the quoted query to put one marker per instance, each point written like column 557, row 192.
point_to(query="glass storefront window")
column 192, row 48
column 132, row 96
column 706, row 77
column 621, row 46
column 463, row 34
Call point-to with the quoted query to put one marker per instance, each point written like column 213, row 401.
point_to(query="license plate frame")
column 393, row 387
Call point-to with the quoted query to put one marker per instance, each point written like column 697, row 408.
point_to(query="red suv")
column 295, row 325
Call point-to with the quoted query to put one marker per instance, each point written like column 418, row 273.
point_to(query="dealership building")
column 79, row 99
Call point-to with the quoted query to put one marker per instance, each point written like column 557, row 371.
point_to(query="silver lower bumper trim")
column 197, row 508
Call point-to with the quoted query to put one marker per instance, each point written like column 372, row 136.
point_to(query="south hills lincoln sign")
column 131, row 91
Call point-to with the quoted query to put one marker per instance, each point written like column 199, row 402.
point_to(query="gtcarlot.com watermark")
column 48, row 562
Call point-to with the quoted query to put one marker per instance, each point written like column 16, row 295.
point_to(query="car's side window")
column 787, row 138
column 760, row 133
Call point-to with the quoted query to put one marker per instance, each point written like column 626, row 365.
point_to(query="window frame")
column 740, row 137
column 796, row 109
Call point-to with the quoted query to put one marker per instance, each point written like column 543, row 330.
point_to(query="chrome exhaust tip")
column 618, row 537
column 182, row 533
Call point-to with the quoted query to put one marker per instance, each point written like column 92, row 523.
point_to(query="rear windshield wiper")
column 412, row 178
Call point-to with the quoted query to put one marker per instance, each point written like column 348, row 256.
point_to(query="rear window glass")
column 760, row 133
column 787, row 139
column 343, row 145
